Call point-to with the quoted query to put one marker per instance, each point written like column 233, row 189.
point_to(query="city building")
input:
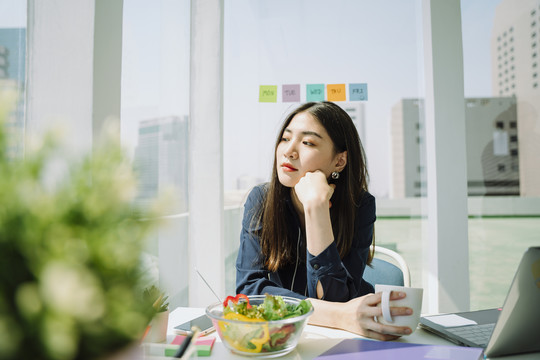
column 161, row 160
column 12, row 80
column 492, row 147
column 515, row 49
column 356, row 110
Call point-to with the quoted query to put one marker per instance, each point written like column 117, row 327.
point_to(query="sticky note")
column 336, row 92
column 315, row 92
column 358, row 92
column 203, row 345
column 171, row 351
column 290, row 93
column 268, row 93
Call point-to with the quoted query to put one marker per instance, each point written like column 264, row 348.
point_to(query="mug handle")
column 385, row 306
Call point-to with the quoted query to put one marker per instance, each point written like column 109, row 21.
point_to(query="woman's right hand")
column 365, row 309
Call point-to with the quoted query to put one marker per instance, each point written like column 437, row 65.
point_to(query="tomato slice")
column 235, row 300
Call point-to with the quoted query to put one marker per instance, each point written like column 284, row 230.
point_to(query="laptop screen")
column 512, row 329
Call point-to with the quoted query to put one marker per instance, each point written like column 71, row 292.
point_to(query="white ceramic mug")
column 413, row 300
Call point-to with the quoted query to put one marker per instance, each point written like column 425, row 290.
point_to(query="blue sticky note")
column 315, row 92
column 358, row 92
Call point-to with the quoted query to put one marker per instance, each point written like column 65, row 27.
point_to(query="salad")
column 265, row 337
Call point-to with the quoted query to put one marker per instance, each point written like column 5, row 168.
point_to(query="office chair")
column 384, row 272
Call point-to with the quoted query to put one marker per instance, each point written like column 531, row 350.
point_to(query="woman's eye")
column 308, row 143
column 284, row 139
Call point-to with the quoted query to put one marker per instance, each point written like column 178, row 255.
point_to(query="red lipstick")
column 288, row 167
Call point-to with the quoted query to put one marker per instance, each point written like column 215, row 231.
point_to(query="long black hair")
column 277, row 248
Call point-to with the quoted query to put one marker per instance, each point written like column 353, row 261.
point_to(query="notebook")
column 385, row 350
column 512, row 329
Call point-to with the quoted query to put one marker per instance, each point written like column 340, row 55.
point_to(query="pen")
column 189, row 340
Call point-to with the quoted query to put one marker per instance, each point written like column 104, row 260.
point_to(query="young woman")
column 308, row 232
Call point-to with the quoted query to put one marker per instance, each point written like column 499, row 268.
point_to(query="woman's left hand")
column 359, row 317
column 313, row 189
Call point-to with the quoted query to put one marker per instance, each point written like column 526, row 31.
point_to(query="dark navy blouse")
column 341, row 279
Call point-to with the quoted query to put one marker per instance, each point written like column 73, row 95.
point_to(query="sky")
column 285, row 42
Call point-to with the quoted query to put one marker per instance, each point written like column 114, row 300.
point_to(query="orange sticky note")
column 336, row 92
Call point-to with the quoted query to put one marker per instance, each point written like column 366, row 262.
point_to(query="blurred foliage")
column 70, row 247
column 157, row 297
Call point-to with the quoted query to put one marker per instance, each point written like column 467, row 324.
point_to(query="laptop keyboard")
column 478, row 334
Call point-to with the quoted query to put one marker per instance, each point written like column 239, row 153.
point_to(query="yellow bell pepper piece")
column 259, row 342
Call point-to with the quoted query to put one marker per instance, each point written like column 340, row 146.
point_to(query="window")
column 154, row 123
column 512, row 164
column 253, row 28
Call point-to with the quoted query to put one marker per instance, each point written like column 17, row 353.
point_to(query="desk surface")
column 314, row 341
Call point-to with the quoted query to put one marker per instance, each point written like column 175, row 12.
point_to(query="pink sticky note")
column 209, row 341
column 179, row 339
column 290, row 93
column 206, row 341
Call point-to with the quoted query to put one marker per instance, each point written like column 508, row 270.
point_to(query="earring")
column 335, row 175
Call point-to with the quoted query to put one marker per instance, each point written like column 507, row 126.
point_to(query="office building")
column 492, row 147
column 515, row 49
column 13, row 54
column 356, row 111
column 12, row 79
column 161, row 160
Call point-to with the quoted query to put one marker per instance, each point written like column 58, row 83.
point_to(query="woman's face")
column 304, row 147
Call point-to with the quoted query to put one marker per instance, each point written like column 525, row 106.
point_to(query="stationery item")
column 384, row 350
column 336, row 92
column 358, row 92
column 203, row 345
column 290, row 93
column 511, row 330
column 412, row 300
column 146, row 331
column 268, row 93
column 315, row 92
column 188, row 345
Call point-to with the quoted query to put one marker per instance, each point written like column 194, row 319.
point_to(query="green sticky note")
column 171, row 350
column 268, row 93
column 204, row 350
column 315, row 92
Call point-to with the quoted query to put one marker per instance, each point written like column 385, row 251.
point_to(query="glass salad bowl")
column 246, row 334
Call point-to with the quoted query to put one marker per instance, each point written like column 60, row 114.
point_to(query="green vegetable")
column 272, row 308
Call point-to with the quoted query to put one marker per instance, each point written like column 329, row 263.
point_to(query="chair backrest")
column 384, row 272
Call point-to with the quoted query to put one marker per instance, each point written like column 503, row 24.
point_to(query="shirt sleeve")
column 251, row 276
column 341, row 279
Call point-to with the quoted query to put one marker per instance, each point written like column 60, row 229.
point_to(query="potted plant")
column 70, row 248
column 160, row 320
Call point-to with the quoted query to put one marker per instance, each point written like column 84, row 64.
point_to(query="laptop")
column 512, row 329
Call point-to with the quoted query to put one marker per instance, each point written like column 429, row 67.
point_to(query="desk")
column 314, row 341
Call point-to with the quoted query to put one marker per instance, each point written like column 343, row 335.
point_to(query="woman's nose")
column 290, row 151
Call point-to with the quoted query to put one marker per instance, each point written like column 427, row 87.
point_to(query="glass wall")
column 279, row 54
column 368, row 57
column 500, row 41
column 154, row 127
